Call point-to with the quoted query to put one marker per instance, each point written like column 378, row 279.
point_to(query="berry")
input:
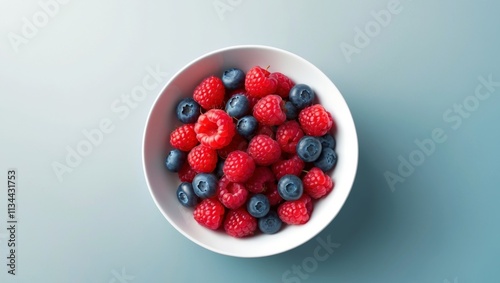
column 270, row 224
column 184, row 137
column 316, row 183
column 270, row 110
column 251, row 99
column 301, row 96
column 292, row 166
column 239, row 223
column 231, row 195
column 309, row 148
column 233, row 78
column 261, row 179
column 188, row 110
column 175, row 160
column 290, row 187
column 291, row 111
column 186, row 195
column 258, row 83
column 238, row 106
column 326, row 160
column 288, row 135
column 315, row 120
column 239, row 166
column 327, row 140
column 218, row 168
column 264, row 150
column 209, row 213
column 296, row 212
column 258, row 205
column 215, row 128
column 186, row 173
column 284, row 84
column 202, row 159
column 272, row 194
column 265, row 130
column 247, row 126
column 237, row 143
column 205, row 185
column 210, row 93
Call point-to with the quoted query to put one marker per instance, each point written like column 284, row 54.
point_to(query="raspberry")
column 239, row 223
column 209, row 213
column 284, row 84
column 210, row 93
column 184, row 137
column 238, row 167
column 270, row 110
column 264, row 150
column 231, row 195
column 258, row 83
column 265, row 130
column 315, row 120
column 215, row 128
column 262, row 178
column 316, row 183
column 237, row 143
column 186, row 174
column 293, row 166
column 288, row 135
column 272, row 194
column 296, row 211
column 202, row 159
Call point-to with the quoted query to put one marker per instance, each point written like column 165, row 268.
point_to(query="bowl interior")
column 162, row 121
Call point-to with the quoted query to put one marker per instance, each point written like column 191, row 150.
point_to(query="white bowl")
column 162, row 120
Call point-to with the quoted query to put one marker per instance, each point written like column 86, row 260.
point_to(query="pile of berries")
column 253, row 152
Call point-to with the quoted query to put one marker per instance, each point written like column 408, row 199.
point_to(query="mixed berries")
column 253, row 152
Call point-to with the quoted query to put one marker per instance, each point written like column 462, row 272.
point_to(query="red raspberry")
column 293, row 166
column 315, row 120
column 202, row 159
column 231, row 195
column 258, row 83
column 184, row 137
column 264, row 150
column 186, row 174
column 239, row 223
column 316, row 183
column 238, row 167
column 210, row 93
column 209, row 213
column 296, row 211
column 270, row 110
column 272, row 194
column 265, row 130
column 237, row 143
column 215, row 128
column 288, row 135
column 262, row 178
column 284, row 84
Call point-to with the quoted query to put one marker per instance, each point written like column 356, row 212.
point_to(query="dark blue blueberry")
column 309, row 148
column 301, row 96
column 218, row 168
column 326, row 160
column 237, row 106
column 327, row 141
column 175, row 160
column 186, row 195
column 188, row 110
column 271, row 223
column 258, row 205
column 291, row 111
column 233, row 78
column 247, row 126
column 205, row 185
column 290, row 187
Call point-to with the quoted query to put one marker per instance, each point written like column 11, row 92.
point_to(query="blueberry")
column 290, row 187
column 327, row 141
column 186, row 195
column 233, row 78
column 301, row 96
column 218, row 168
column 247, row 126
column 309, row 148
column 271, row 223
column 326, row 160
column 238, row 106
column 205, row 185
column 258, row 205
column 188, row 110
column 291, row 111
column 175, row 160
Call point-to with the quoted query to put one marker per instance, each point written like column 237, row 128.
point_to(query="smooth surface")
column 100, row 223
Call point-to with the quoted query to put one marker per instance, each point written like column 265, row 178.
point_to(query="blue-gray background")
column 99, row 224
